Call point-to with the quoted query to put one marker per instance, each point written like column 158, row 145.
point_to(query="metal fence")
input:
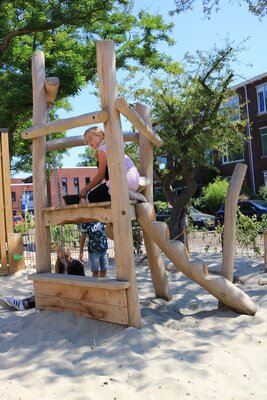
column 198, row 242
column 72, row 241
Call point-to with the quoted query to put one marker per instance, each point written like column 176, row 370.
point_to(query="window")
column 87, row 180
column 233, row 105
column 162, row 161
column 76, row 185
column 28, row 196
column 64, row 186
column 263, row 136
column 209, row 157
column 233, row 156
column 13, row 196
column 262, row 98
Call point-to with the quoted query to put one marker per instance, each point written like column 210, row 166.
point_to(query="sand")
column 186, row 349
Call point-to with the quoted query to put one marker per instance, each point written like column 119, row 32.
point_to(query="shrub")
column 247, row 231
column 263, row 193
column 66, row 234
column 160, row 205
column 24, row 227
column 215, row 194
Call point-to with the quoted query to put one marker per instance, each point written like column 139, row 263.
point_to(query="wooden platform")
column 76, row 213
column 102, row 299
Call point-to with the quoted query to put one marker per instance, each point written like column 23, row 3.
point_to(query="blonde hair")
column 61, row 252
column 95, row 131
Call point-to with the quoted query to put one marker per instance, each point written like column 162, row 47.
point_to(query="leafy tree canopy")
column 256, row 7
column 66, row 31
column 191, row 114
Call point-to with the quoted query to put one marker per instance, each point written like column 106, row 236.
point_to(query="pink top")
column 132, row 173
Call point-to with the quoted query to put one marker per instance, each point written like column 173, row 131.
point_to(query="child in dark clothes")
column 65, row 264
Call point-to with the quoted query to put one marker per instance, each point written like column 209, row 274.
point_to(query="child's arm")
column 82, row 241
column 98, row 178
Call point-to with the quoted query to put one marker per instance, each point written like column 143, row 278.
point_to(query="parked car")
column 17, row 219
column 246, row 207
column 199, row 219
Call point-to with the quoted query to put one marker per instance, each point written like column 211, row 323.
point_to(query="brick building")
column 70, row 180
column 252, row 100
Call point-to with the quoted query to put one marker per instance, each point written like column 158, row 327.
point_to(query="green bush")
column 247, row 231
column 160, row 205
column 24, row 227
column 263, row 193
column 214, row 195
column 65, row 234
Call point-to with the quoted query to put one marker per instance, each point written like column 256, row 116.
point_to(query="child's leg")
column 94, row 263
column 103, row 264
column 29, row 302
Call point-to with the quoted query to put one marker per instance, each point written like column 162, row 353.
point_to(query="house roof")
column 252, row 80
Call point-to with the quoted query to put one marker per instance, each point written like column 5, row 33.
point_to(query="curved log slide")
column 220, row 287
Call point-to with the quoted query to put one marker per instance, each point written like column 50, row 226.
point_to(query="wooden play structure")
column 11, row 244
column 114, row 300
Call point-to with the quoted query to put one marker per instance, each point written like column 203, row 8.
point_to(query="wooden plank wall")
column 104, row 300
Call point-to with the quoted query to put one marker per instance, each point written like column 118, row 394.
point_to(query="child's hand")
column 83, row 193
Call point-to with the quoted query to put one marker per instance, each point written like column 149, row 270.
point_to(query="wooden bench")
column 102, row 299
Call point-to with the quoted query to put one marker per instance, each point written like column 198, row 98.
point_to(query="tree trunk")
column 178, row 217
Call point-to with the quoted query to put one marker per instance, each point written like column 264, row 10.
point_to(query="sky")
column 192, row 32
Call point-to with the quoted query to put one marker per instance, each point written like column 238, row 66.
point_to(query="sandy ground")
column 186, row 349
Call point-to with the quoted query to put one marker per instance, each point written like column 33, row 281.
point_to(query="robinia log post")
column 156, row 264
column 120, row 208
column 229, row 234
column 42, row 234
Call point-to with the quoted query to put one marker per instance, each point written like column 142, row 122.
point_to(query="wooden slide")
column 220, row 287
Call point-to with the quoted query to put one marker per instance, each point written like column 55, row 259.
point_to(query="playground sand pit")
column 186, row 349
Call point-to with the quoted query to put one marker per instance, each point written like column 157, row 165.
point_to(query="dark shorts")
column 99, row 194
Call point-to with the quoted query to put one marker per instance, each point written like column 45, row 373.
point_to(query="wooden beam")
column 65, row 124
column 7, row 183
column 130, row 113
column 15, row 252
column 230, row 210
column 42, row 234
column 75, row 214
column 76, row 280
column 155, row 261
column 220, row 287
column 51, row 88
column 76, row 141
column 122, row 230
column 3, row 233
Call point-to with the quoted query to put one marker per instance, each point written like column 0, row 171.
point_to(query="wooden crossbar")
column 76, row 213
column 64, row 124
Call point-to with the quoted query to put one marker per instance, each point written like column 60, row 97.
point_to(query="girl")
column 94, row 136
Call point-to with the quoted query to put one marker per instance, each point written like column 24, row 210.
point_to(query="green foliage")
column 247, row 231
column 64, row 234
column 256, row 7
column 187, row 115
column 132, row 151
column 24, row 227
column 263, row 193
column 160, row 205
column 66, row 31
column 87, row 158
column 214, row 194
column 138, row 239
